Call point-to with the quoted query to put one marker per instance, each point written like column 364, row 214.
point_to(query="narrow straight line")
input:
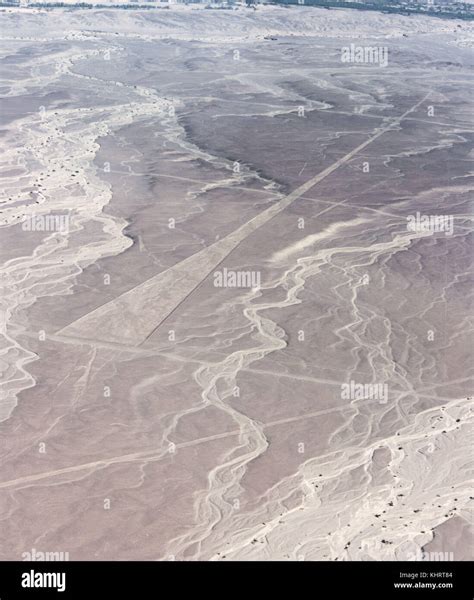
column 239, row 235
column 237, row 187
column 157, row 454
column 67, row 339
column 360, row 207
column 188, row 360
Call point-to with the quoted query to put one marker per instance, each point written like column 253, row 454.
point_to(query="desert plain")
column 221, row 339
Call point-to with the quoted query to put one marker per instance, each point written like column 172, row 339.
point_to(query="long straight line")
column 259, row 221
column 220, row 250
column 155, row 454
column 276, row 208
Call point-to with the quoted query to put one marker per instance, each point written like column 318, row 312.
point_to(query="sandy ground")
column 147, row 413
